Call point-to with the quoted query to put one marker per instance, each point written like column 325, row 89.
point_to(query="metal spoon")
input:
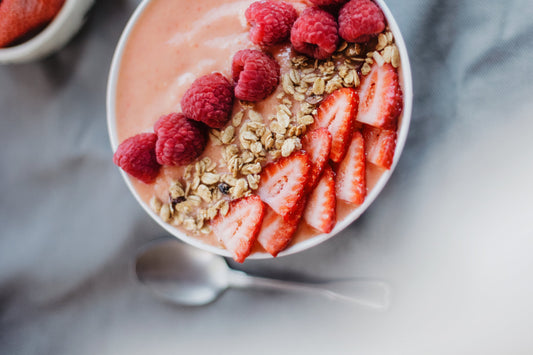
column 189, row 276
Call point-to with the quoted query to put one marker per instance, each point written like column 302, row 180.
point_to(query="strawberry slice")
column 350, row 183
column 238, row 230
column 381, row 97
column 317, row 144
column 379, row 146
column 276, row 233
column 283, row 182
column 337, row 113
column 320, row 211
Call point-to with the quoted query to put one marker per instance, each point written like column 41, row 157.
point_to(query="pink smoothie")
column 173, row 43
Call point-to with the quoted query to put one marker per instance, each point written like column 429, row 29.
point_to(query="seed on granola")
column 235, row 165
column 395, row 58
column 313, row 100
column 378, row 58
column 287, row 102
column 247, row 156
column 287, row 84
column 275, row 154
column 176, row 190
column 295, row 76
column 390, row 37
column 195, row 200
column 276, row 127
column 307, row 108
column 204, row 193
column 195, row 183
column 306, row 120
column 283, row 119
column 251, row 169
column 386, row 53
column 353, row 50
column 319, row 86
column 248, row 136
column 296, row 131
column 240, row 188
column 227, row 135
column 199, row 167
column 178, row 219
column 224, row 208
column 164, row 213
column 210, row 178
column 206, row 229
column 334, row 84
column 289, row 146
column 255, row 116
column 237, row 119
column 189, row 224
column 299, row 96
column 342, row 46
column 229, row 179
column 365, row 69
column 214, row 137
column 382, row 41
column 155, row 204
column 256, row 148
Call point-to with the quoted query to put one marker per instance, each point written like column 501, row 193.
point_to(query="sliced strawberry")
column 238, row 229
column 283, row 182
column 350, row 183
column 276, row 233
column 320, row 211
column 337, row 113
column 317, row 144
column 379, row 146
column 381, row 97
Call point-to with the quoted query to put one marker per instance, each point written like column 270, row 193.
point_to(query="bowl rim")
column 405, row 118
column 45, row 37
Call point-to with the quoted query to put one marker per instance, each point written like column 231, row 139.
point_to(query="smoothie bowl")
column 258, row 129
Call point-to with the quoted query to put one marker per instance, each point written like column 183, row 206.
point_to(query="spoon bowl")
column 190, row 276
column 181, row 274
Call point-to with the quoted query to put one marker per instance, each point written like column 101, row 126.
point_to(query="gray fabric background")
column 452, row 232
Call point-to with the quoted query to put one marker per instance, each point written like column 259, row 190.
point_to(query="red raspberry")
column 271, row 21
column 255, row 73
column 179, row 140
column 359, row 20
column 327, row 2
column 315, row 33
column 209, row 100
column 136, row 156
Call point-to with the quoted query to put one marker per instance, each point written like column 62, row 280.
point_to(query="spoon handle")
column 368, row 293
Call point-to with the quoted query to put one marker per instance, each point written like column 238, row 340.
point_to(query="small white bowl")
column 53, row 37
column 405, row 118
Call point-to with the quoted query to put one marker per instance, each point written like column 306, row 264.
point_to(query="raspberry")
column 209, row 100
column 359, row 20
column 255, row 73
column 315, row 33
column 136, row 156
column 271, row 21
column 327, row 2
column 179, row 140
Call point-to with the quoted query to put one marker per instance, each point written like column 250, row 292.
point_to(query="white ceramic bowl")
column 406, row 83
column 53, row 37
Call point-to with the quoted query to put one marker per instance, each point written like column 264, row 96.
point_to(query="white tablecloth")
column 452, row 232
